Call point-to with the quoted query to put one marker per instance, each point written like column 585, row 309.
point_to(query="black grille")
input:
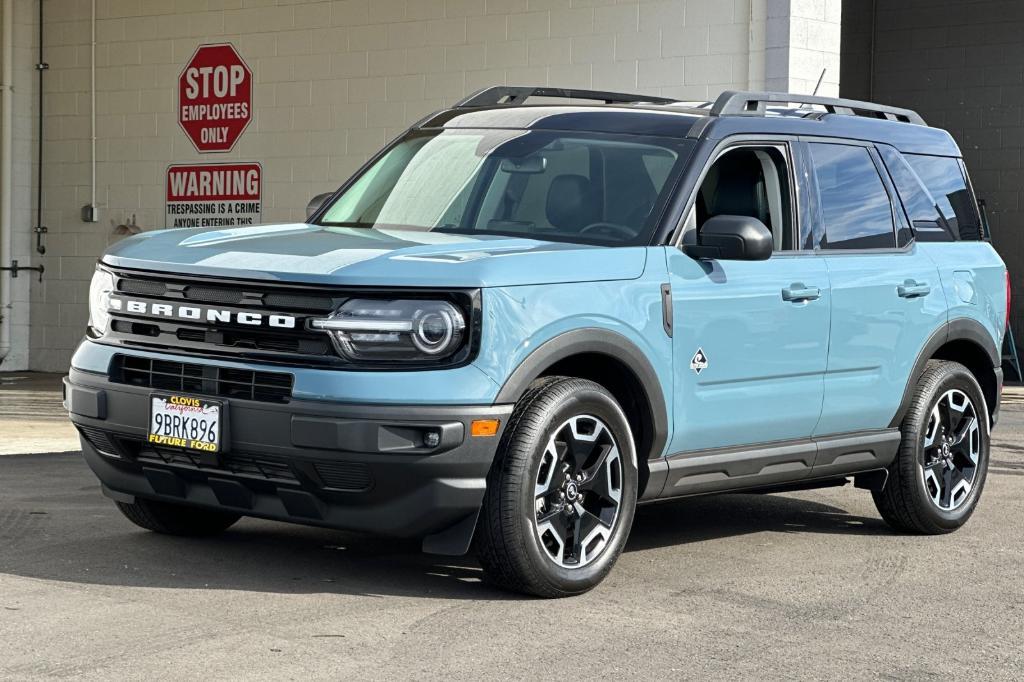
column 211, row 295
column 257, row 321
column 101, row 440
column 303, row 346
column 239, row 464
column 197, row 335
column 294, row 344
column 351, row 476
column 324, row 304
column 269, row 387
column 273, row 469
column 273, row 342
column 136, row 328
column 253, row 340
column 142, row 287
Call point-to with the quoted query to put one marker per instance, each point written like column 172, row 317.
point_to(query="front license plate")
column 183, row 421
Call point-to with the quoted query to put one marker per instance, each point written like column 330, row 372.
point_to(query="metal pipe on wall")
column 92, row 116
column 6, row 169
column 41, row 66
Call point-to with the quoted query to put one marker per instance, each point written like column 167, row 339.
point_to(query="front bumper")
column 353, row 467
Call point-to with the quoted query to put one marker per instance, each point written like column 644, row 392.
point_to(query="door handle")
column 799, row 292
column 912, row 289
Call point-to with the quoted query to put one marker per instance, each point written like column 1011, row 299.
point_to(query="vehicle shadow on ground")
column 701, row 519
column 55, row 525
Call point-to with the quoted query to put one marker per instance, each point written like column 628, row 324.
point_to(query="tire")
column 175, row 519
column 914, row 498
column 561, row 427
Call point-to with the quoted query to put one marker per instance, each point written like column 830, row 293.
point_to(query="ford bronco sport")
column 519, row 321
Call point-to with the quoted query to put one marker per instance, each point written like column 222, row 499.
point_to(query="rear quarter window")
column 935, row 194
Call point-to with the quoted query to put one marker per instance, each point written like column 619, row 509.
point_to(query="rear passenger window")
column 944, row 180
column 855, row 207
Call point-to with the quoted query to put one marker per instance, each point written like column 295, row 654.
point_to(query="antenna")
column 818, row 85
column 820, row 78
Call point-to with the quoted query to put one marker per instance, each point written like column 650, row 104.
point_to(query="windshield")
column 560, row 186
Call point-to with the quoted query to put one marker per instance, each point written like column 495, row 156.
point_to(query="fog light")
column 432, row 439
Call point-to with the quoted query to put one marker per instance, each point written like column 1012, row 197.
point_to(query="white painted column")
column 17, row 198
column 800, row 39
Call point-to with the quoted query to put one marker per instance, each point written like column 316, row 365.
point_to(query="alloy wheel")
column 952, row 446
column 578, row 490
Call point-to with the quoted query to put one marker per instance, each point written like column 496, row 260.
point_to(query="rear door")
column 887, row 298
column 942, row 208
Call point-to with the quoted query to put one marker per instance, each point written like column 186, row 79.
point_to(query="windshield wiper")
column 356, row 223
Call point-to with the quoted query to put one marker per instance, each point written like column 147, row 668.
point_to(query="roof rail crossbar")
column 738, row 103
column 512, row 95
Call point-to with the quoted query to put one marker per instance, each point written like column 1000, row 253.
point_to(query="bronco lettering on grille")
column 184, row 312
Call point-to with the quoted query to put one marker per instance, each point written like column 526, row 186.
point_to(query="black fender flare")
column 604, row 342
column 959, row 329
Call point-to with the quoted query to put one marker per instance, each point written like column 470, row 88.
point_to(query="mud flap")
column 454, row 540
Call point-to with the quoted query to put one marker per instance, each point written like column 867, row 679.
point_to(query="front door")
column 750, row 338
column 750, row 344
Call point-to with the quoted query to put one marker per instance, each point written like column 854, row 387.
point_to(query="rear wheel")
column 176, row 519
column 936, row 480
column 561, row 493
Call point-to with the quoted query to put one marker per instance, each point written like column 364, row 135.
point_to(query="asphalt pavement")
column 808, row 585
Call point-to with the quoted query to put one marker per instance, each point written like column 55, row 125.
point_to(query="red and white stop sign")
column 215, row 98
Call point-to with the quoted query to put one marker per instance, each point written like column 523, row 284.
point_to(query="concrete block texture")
column 959, row 63
column 333, row 81
column 802, row 42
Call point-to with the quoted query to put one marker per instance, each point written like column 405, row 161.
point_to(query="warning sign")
column 214, row 195
column 215, row 98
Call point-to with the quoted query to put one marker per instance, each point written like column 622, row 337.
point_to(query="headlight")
column 400, row 331
column 100, row 288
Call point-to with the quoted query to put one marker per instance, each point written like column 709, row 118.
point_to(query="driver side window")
column 748, row 181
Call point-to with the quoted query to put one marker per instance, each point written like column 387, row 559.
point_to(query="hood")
column 371, row 257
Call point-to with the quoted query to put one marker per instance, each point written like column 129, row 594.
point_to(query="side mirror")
column 732, row 237
column 316, row 202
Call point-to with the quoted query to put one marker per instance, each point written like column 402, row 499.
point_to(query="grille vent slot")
column 350, row 476
column 271, row 387
column 238, row 464
column 141, row 287
column 101, row 440
column 213, row 295
column 298, row 302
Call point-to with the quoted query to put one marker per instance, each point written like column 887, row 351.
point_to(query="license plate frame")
column 179, row 436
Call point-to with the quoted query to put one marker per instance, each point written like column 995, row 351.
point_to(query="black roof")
column 732, row 113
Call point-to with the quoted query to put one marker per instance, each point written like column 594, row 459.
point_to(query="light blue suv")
column 518, row 321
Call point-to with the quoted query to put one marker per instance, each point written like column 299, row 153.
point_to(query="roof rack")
column 733, row 103
column 512, row 95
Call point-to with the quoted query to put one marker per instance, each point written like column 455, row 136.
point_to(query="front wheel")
column 936, row 480
column 561, row 493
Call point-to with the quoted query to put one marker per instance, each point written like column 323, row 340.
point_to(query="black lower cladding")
column 364, row 468
column 778, row 463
